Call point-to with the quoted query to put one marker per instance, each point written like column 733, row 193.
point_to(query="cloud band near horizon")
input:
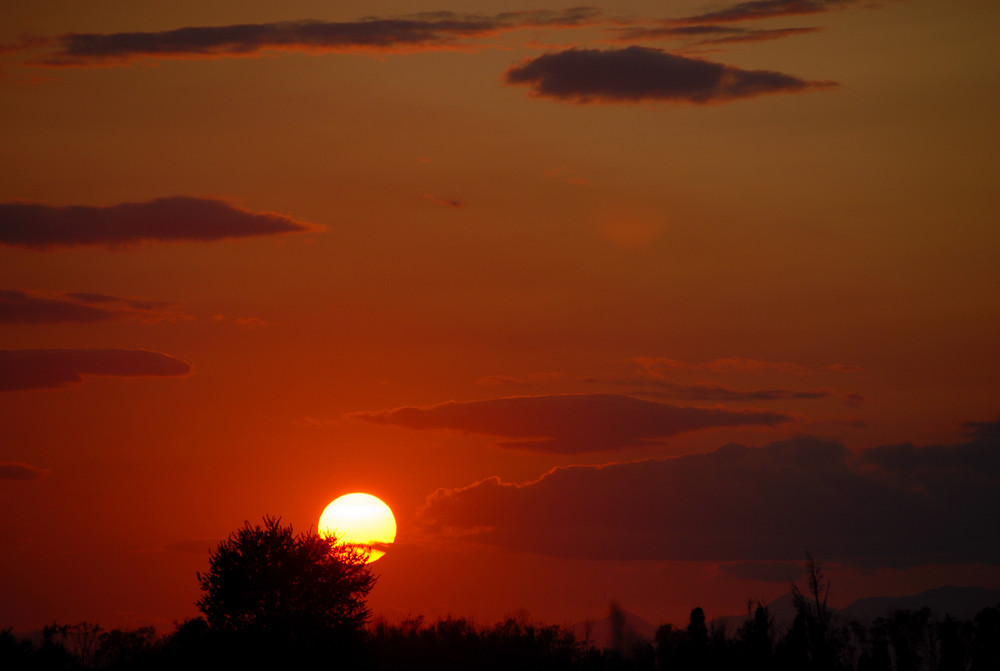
column 172, row 219
column 642, row 74
column 569, row 423
column 890, row 506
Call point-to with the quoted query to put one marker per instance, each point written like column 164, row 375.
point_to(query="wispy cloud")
column 36, row 307
column 425, row 31
column 657, row 367
column 891, row 506
column 53, row 368
column 18, row 470
column 570, row 423
column 708, row 34
column 179, row 218
column 641, row 74
column 766, row 9
column 720, row 394
column 453, row 203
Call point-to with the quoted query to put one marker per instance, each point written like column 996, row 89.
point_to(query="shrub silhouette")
column 268, row 585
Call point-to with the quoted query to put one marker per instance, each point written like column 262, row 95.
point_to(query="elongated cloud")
column 719, row 394
column 641, row 74
column 425, row 31
column 53, row 368
column 708, row 34
column 569, row 423
column 178, row 218
column 23, row 307
column 749, row 504
column 18, row 470
column 765, row 9
column 659, row 366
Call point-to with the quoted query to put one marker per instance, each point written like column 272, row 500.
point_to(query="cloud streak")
column 766, row 9
column 173, row 219
column 642, row 74
column 29, row 369
column 426, row 31
column 718, row 394
column 33, row 307
column 708, row 34
column 899, row 505
column 18, row 470
column 569, row 423
column 659, row 366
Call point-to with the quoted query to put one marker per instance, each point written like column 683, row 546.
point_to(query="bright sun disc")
column 361, row 519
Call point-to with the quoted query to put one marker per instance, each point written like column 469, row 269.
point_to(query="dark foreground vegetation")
column 274, row 600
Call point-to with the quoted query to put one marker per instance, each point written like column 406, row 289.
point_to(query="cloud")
column 657, row 367
column 53, row 368
column 34, row 307
column 708, row 34
column 899, row 505
column 452, row 203
column 569, row 423
column 178, row 218
column 705, row 392
column 432, row 30
column 766, row 9
column 642, row 74
column 17, row 470
column 759, row 35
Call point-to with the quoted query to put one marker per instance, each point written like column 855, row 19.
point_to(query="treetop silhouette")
column 266, row 580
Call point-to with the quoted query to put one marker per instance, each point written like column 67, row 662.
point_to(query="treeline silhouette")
column 904, row 640
column 275, row 600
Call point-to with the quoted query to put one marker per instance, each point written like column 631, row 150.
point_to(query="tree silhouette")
column 812, row 631
column 274, row 586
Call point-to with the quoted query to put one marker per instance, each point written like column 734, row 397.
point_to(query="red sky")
column 640, row 301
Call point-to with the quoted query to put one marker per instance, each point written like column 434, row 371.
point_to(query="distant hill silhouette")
column 960, row 603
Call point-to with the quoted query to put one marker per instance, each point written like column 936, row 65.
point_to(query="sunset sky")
column 637, row 301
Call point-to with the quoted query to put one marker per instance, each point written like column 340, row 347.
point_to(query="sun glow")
column 360, row 519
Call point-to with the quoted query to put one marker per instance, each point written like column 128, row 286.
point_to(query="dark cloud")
column 23, row 307
column 432, row 30
column 900, row 505
column 638, row 74
column 17, row 470
column 765, row 9
column 178, row 218
column 965, row 478
column 52, row 368
column 569, row 423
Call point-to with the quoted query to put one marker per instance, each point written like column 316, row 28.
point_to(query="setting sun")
column 361, row 519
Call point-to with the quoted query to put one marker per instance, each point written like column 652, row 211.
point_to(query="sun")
column 361, row 519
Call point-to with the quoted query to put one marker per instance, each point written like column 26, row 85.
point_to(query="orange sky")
column 457, row 255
